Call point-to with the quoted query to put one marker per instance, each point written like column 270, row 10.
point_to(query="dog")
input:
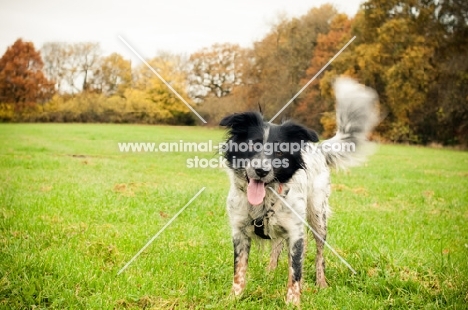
column 289, row 159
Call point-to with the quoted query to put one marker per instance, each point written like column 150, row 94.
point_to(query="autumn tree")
column 394, row 55
column 413, row 53
column 164, row 62
column 22, row 81
column 165, row 105
column 448, row 95
column 114, row 75
column 312, row 105
column 282, row 58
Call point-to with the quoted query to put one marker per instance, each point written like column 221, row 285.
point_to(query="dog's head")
column 261, row 153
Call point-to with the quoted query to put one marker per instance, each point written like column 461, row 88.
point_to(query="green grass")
column 74, row 210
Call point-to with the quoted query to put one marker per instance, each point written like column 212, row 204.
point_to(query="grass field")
column 74, row 210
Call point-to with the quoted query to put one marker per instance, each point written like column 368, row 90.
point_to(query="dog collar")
column 258, row 228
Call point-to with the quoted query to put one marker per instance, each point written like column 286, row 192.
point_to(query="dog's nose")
column 261, row 173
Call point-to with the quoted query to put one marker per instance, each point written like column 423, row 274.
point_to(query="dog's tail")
column 356, row 116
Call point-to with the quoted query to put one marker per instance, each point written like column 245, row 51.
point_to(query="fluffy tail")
column 356, row 116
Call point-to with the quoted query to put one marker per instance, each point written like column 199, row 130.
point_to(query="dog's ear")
column 242, row 120
column 296, row 132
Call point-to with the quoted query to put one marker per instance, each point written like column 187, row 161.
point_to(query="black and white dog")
column 264, row 157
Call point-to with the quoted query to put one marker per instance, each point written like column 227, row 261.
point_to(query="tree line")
column 413, row 52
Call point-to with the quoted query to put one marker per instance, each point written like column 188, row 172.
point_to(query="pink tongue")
column 255, row 192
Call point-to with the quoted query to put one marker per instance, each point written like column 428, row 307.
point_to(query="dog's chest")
column 273, row 218
column 268, row 221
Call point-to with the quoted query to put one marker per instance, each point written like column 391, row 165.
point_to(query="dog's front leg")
column 276, row 248
column 296, row 255
column 241, row 257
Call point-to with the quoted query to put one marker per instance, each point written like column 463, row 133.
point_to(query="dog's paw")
column 237, row 290
column 293, row 300
column 322, row 283
column 294, row 294
column 272, row 266
column 234, row 296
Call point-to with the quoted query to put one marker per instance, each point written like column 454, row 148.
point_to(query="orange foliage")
column 22, row 82
column 312, row 105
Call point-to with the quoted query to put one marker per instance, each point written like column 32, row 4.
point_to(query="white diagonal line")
column 161, row 230
column 315, row 233
column 162, row 79
column 312, row 79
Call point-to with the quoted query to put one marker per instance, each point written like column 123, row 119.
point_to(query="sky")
column 177, row 26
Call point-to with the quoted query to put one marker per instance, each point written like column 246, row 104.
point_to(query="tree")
column 215, row 71
column 55, row 56
column 172, row 67
column 114, row 75
column 84, row 62
column 74, row 67
column 165, row 105
column 282, row 58
column 22, row 81
column 393, row 53
column 448, row 99
column 414, row 54
column 312, row 105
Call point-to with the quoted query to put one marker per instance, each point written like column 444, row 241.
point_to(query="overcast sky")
column 180, row 26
